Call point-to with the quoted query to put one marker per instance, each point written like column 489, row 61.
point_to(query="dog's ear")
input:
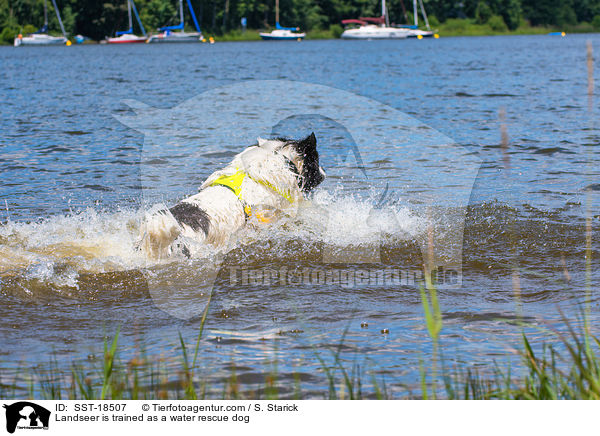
column 308, row 144
column 261, row 141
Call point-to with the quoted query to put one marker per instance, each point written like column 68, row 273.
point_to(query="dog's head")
column 303, row 159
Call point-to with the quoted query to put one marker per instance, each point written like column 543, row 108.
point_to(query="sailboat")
column 282, row 33
column 379, row 27
column 414, row 31
column 41, row 37
column 127, row 36
column 167, row 34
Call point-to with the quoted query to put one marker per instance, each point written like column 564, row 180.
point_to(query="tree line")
column 99, row 18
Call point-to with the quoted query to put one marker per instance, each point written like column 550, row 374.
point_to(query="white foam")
column 344, row 220
column 59, row 248
column 90, row 241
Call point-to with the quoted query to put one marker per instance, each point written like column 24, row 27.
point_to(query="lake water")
column 409, row 133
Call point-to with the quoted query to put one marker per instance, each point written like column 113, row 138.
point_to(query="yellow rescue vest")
column 234, row 182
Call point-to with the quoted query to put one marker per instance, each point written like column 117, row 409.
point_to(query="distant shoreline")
column 253, row 35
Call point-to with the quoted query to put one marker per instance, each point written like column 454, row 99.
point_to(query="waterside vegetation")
column 320, row 19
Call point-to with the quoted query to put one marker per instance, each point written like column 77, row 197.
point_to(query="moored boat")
column 281, row 33
column 126, row 39
column 41, row 37
column 167, row 33
column 127, row 36
column 373, row 28
column 380, row 28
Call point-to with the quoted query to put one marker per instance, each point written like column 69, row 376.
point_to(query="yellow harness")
column 234, row 183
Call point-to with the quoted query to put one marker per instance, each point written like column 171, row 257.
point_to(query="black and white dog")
column 274, row 175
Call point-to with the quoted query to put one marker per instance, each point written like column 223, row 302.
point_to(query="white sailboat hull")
column 415, row 33
column 40, row 39
column 372, row 31
column 176, row 37
column 382, row 28
column 126, row 39
column 282, row 35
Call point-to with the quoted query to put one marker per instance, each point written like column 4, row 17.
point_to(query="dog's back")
column 267, row 175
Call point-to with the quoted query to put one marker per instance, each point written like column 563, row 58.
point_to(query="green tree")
column 586, row 10
column 158, row 13
column 482, row 13
column 549, row 12
column 497, row 24
column 98, row 19
column 566, row 16
column 511, row 13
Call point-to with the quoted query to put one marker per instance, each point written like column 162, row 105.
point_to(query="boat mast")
column 415, row 13
column 277, row 11
column 181, row 14
column 404, row 11
column 384, row 13
column 62, row 28
column 45, row 15
column 137, row 17
column 193, row 16
column 424, row 14
column 129, row 13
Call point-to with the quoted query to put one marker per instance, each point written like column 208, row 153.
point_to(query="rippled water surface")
column 77, row 175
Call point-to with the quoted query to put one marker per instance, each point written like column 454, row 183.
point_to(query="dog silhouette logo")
column 26, row 415
column 361, row 142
